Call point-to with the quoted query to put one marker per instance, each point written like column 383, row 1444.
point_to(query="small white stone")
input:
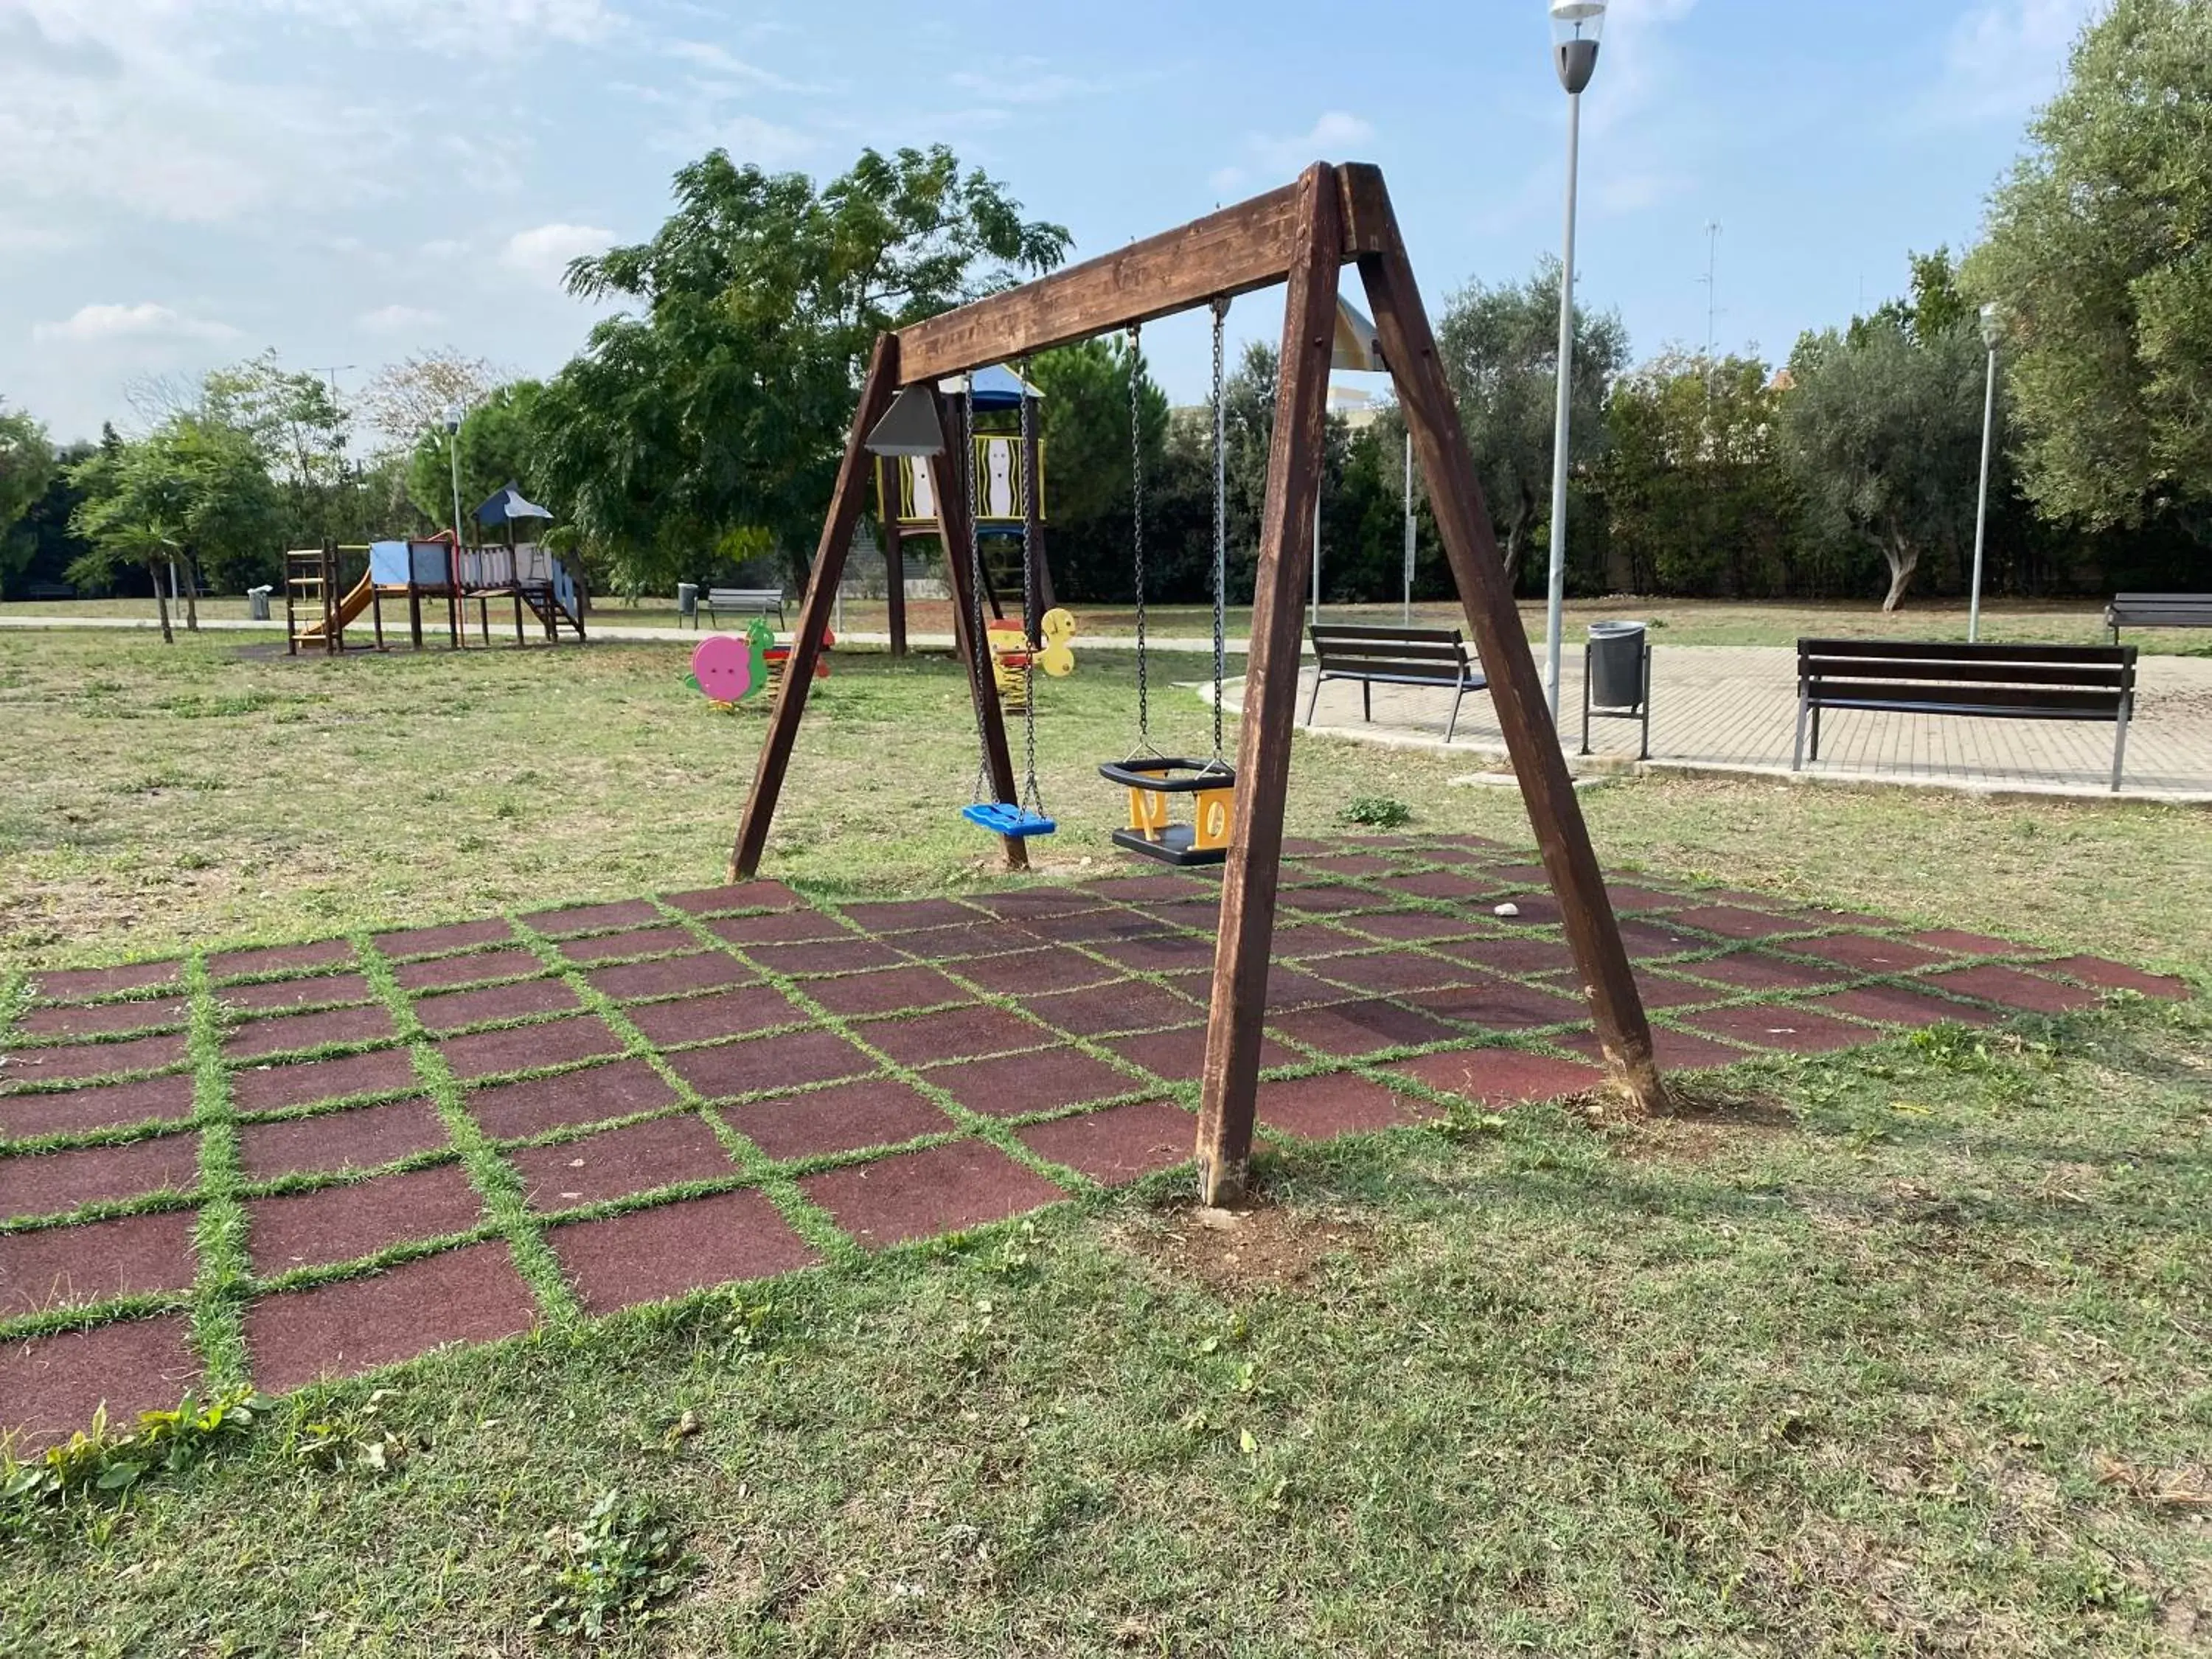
column 1506, row 910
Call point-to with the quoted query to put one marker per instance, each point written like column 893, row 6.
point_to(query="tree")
column 192, row 490
column 1500, row 348
column 1088, row 489
column 27, row 468
column 407, row 399
column 720, row 407
column 2098, row 252
column 297, row 427
column 497, row 446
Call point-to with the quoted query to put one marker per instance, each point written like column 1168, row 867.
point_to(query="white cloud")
column 749, row 138
column 2005, row 57
column 398, row 320
column 718, row 69
column 460, row 28
column 93, row 324
column 544, row 252
column 1337, row 135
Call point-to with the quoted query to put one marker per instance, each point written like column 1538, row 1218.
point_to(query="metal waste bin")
column 1617, row 679
column 256, row 603
column 687, row 601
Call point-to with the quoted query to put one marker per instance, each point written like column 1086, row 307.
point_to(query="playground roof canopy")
column 996, row 388
column 507, row 505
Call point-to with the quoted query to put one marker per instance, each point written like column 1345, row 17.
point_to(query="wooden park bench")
column 49, row 591
column 1384, row 655
column 742, row 602
column 2001, row 682
column 2158, row 611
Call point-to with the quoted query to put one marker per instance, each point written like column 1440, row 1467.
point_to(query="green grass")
column 1904, row 1351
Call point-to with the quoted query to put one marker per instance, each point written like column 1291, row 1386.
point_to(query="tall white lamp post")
column 1993, row 335
column 454, row 413
column 1575, row 28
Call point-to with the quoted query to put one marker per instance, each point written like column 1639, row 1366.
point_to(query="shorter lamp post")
column 1992, row 336
column 454, row 413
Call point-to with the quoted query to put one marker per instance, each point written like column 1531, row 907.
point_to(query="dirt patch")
column 1237, row 1253
column 1706, row 1121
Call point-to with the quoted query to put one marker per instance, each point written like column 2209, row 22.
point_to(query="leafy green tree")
column 298, row 429
column 27, row 468
column 721, row 403
column 194, row 490
column 2100, row 251
column 1088, row 489
column 497, row 447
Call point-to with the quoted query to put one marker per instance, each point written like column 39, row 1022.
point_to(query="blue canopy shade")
column 996, row 388
column 507, row 505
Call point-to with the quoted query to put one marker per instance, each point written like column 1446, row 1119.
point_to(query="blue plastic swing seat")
column 1005, row 818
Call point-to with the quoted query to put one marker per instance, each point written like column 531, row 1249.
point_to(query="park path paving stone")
column 1674, row 1050
column 1158, row 953
column 82, row 984
column 1388, row 972
column 1755, row 970
column 2011, row 989
column 472, row 1294
column 1054, row 968
column 955, row 1034
column 634, row 942
column 1499, row 1004
column 1180, row 1055
column 593, row 918
column 73, row 1267
column 1335, row 1103
column 759, row 1064
column 438, row 941
column 1794, row 1029
column 904, row 915
column 1865, row 953
column 1501, row 1077
column 273, row 1088
column 1509, row 953
column 49, row 1183
column 528, row 1048
column 1953, row 940
column 51, row 1386
column 106, row 1018
column 738, row 1011
column 1023, row 1085
column 1119, row 1144
column 278, row 1033
column 849, row 955
column 474, row 967
column 611, row 1164
column 328, row 1143
column 275, row 995
column 1888, row 1005
column 591, row 1094
column 1115, row 1009
column 1352, row 1029
column 1413, row 927
column 783, row 928
column 2116, row 977
column 887, row 991
column 77, row 1061
column 101, row 1106
column 672, row 1250
column 670, row 977
column 741, row 896
column 920, row 1195
column 450, row 1011
column 280, row 959
column 845, row 1117
column 359, row 1218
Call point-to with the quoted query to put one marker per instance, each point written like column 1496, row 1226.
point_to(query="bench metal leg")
column 1816, row 732
column 1367, row 701
column 1452, row 724
column 2120, row 742
column 1586, row 694
column 1646, row 751
column 1313, row 701
column 1797, row 754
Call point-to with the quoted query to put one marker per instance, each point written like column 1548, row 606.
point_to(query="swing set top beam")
column 1235, row 251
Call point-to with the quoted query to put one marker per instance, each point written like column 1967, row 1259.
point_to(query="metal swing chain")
column 979, row 646
column 1137, row 531
column 1220, row 518
column 1032, row 797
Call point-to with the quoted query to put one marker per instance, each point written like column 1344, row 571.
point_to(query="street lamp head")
column 1993, row 324
column 454, row 413
column 1575, row 26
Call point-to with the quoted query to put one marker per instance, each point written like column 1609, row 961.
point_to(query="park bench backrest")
column 1416, row 656
column 2159, row 610
column 2089, row 682
column 739, row 599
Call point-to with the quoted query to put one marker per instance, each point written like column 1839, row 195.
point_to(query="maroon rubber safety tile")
column 591, row 1094
column 1866, row 952
column 1163, row 954
column 1778, row 1026
column 1390, row 972
column 1523, row 909
column 904, row 915
column 938, row 1190
column 810, row 958
column 1336, row 1104
column 1179, row 1056
column 1113, row 1010
column 2116, row 977
column 280, row 1033
column 1033, row 903
column 1449, row 884
column 593, row 918
column 1413, row 927
column 744, row 896
column 738, row 1011
column 1333, row 864
column 276, row 995
column 1500, row 1005
column 106, row 1018
column 672, row 1249
column 1300, row 847
column 1969, row 945
column 638, row 1157
column 1331, row 899
column 51, row 1387
column 48, row 1183
column 1755, row 970
column 1201, row 914
column 1732, row 922
column 1648, row 941
column 1627, row 896
column 1501, row 1077
column 452, row 1010
column 784, row 928
column 972, row 939
column 73, row 1267
column 71, row 1062
column 876, row 1111
column 1511, row 953
column 2008, row 987
column 1028, row 973
column 1665, row 991
column 437, row 941
column 887, row 991
column 1119, row 1144
column 1533, row 876
column 789, row 1061
column 1097, row 927
column 1302, row 941
column 345, row 1223
column 634, row 942
column 527, row 1047
column 1288, row 988
column 469, row 1295
column 1137, row 890
column 80, row 984
column 1675, row 1051
column 1019, row 1085
column 670, row 977
column 103, row 1106
column 1453, row 855
column 1888, row 1005
column 1350, row 1030
column 955, row 1034
column 281, row 959
column 481, row 968
column 273, row 1088
column 353, row 1138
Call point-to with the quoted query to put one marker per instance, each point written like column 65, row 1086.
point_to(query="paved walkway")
column 1733, row 708
column 459, row 1133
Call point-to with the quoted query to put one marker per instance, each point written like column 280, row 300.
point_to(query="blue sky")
column 183, row 182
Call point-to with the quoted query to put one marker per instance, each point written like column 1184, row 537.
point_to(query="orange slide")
column 349, row 607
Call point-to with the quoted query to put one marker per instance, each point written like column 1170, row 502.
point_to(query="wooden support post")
column 845, row 504
column 518, row 618
column 414, row 612
column 1229, row 1084
column 376, row 610
column 1515, row 689
column 948, row 479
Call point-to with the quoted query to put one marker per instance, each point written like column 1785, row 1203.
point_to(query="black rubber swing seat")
column 1166, row 775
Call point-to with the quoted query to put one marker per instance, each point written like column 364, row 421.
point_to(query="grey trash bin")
column 256, row 603
column 687, row 600
column 1616, row 680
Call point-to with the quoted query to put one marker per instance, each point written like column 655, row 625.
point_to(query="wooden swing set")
column 1303, row 233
